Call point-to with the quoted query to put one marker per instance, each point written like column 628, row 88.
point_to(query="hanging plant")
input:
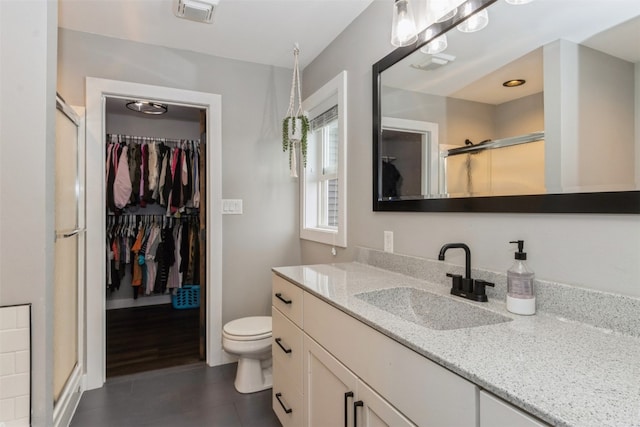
column 295, row 126
column 294, row 132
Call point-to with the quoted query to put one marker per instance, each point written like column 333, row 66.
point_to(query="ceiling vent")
column 196, row 10
column 434, row 61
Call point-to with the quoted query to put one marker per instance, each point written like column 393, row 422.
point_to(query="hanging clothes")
column 142, row 171
column 159, row 253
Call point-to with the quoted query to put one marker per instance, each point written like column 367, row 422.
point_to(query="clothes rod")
column 498, row 143
column 131, row 138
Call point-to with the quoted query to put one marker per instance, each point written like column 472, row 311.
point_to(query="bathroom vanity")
column 355, row 345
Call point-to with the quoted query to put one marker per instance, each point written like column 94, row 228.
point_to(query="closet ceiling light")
column 147, row 107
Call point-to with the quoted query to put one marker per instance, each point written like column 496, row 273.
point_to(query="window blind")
column 323, row 119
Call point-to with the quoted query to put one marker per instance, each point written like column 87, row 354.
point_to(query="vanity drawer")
column 287, row 401
column 287, row 347
column 287, row 298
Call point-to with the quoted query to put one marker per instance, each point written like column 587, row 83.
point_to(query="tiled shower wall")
column 15, row 366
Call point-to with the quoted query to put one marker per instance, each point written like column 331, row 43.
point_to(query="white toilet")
column 250, row 339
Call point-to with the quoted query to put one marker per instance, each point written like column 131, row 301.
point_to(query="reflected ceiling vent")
column 433, row 62
column 195, row 10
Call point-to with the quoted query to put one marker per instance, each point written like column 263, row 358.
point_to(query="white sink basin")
column 430, row 310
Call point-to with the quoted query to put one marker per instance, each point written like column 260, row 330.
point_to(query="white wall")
column 593, row 251
column 607, row 111
column 520, row 116
column 254, row 99
column 27, row 138
column 153, row 126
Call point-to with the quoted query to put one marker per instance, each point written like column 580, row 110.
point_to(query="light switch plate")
column 231, row 206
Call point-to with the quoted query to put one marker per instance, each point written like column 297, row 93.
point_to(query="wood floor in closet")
column 151, row 337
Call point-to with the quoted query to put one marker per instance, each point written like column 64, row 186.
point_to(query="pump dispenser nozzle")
column 520, row 254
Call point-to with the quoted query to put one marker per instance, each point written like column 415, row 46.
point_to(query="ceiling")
column 259, row 31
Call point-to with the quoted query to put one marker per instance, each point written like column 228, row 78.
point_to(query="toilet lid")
column 256, row 326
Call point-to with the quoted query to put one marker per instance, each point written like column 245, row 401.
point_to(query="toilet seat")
column 248, row 328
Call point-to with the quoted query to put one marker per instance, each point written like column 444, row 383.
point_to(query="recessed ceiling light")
column 514, row 83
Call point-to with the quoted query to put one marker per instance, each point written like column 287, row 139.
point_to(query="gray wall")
column 593, row 251
column 254, row 100
column 27, row 140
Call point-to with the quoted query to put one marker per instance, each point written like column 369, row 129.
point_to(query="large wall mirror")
column 456, row 130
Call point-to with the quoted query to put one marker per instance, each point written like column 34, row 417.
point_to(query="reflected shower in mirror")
column 543, row 101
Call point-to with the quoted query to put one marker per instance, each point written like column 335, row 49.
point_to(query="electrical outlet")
column 388, row 241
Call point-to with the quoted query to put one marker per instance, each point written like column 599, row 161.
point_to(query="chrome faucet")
column 465, row 287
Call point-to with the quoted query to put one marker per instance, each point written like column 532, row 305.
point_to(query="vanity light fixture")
column 475, row 22
column 147, row 107
column 442, row 10
column 514, row 83
column 403, row 29
column 436, row 45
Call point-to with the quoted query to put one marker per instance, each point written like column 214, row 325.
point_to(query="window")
column 323, row 189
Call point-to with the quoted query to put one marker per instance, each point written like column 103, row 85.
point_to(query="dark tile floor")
column 191, row 395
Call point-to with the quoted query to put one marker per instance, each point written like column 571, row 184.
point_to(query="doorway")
column 156, row 259
column 97, row 93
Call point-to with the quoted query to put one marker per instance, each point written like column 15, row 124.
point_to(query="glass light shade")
column 403, row 29
column 474, row 23
column 517, row 2
column 441, row 10
column 436, row 45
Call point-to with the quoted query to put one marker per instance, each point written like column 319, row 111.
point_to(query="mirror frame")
column 612, row 202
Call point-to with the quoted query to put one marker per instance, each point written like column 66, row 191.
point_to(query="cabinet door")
column 495, row 412
column 375, row 411
column 329, row 388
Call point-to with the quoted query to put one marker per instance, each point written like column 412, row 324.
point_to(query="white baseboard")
column 139, row 302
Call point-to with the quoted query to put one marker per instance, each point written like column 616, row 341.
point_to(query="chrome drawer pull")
column 286, row 350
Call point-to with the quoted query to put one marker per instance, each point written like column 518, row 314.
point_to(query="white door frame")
column 96, row 92
column 430, row 162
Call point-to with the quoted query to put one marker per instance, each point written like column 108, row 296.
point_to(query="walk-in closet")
column 155, row 224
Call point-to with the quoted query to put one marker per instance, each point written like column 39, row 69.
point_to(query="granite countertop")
column 564, row 372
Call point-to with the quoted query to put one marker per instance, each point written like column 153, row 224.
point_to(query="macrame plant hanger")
column 295, row 125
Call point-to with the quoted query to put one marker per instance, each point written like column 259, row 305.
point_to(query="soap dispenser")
column 521, row 298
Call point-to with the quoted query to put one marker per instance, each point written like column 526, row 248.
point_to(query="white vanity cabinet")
column 287, row 352
column 391, row 384
column 495, row 412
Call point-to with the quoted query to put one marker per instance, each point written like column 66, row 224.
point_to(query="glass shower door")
column 69, row 235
